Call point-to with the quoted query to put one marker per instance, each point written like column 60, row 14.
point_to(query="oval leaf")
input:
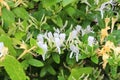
column 35, row 63
column 56, row 58
column 14, row 68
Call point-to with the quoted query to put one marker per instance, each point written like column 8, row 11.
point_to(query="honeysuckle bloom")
column 74, row 34
column 107, row 20
column 104, row 52
column 59, row 40
column 86, row 30
column 117, row 51
column 105, row 57
column 40, row 38
column 75, row 50
column 104, row 33
column 3, row 50
column 91, row 40
column 78, row 28
column 42, row 45
column 104, row 6
column 56, row 39
column 113, row 23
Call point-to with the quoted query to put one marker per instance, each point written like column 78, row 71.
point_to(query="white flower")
column 73, row 34
column 103, row 6
column 75, row 50
column 56, row 35
column 40, row 38
column 62, row 37
column 42, row 45
column 78, row 28
column 50, row 35
column 3, row 49
column 91, row 40
column 87, row 30
column 44, row 48
column 58, row 40
column 58, row 44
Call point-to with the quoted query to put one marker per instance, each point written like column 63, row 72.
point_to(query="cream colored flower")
column 75, row 50
column 91, row 40
column 3, row 51
column 104, row 33
column 113, row 23
column 105, row 57
column 107, row 20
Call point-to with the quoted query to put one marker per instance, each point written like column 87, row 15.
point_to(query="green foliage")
column 8, row 17
column 14, row 68
column 77, row 72
column 35, row 63
column 59, row 40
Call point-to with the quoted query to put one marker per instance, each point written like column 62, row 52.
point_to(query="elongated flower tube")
column 59, row 40
column 3, row 50
column 86, row 30
column 40, row 38
column 75, row 50
column 42, row 45
column 103, row 6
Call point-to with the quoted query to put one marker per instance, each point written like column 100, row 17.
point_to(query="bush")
column 59, row 39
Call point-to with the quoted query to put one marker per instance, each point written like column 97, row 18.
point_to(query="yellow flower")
column 118, row 26
column 113, row 23
column 104, row 34
column 105, row 57
column 107, row 20
column 104, row 52
column 117, row 51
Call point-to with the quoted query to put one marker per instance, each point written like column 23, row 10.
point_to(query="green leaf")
column 25, row 64
column 19, row 35
column 67, row 2
column 8, row 17
column 48, row 3
column 40, row 51
column 51, row 70
column 56, row 57
column 70, row 10
column 8, row 43
column 43, row 72
column 58, row 21
column 14, row 68
column 35, row 62
column 21, row 13
column 33, row 42
column 77, row 72
column 95, row 59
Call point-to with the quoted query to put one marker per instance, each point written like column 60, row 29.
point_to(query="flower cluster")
column 59, row 41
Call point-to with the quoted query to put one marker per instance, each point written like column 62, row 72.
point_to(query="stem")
column 26, row 51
